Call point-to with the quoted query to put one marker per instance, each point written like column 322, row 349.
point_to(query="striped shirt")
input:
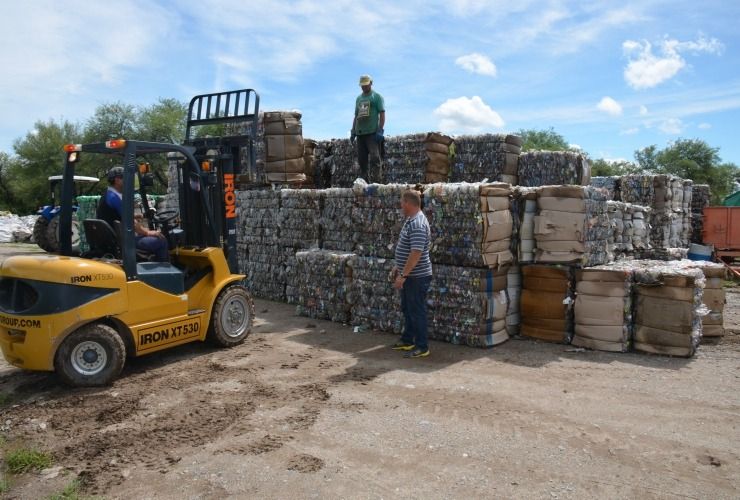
column 415, row 235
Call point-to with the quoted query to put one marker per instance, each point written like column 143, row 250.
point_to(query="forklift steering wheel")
column 166, row 216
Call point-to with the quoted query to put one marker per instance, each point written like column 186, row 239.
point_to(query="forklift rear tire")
column 91, row 356
column 232, row 317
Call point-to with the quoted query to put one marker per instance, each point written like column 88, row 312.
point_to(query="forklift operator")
column 109, row 210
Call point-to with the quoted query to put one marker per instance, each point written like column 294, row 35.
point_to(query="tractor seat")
column 101, row 239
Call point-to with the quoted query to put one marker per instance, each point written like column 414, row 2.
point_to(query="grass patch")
column 5, row 398
column 4, row 485
column 26, row 459
column 70, row 492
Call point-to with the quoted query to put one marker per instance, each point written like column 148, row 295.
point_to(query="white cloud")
column 467, row 114
column 643, row 110
column 705, row 126
column 477, row 63
column 575, row 147
column 609, row 106
column 630, row 131
column 671, row 126
column 646, row 70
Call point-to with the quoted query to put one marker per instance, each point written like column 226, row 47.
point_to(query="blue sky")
column 610, row 76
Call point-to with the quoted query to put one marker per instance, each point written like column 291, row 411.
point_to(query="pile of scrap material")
column 405, row 159
column 713, row 298
column 603, row 308
column 337, row 228
column 376, row 304
column 513, row 295
column 572, row 226
column 546, row 168
column 440, row 151
column 700, row 199
column 668, row 308
column 610, row 184
column 376, row 218
column 261, row 257
column 471, row 224
column 319, row 284
column 468, row 306
column 283, row 138
column 491, row 157
column 546, row 303
column 300, row 215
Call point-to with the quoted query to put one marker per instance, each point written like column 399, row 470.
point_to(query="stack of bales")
column 603, row 308
column 310, row 162
column 688, row 194
column 668, row 308
column 713, row 298
column 262, row 258
column 610, row 184
column 701, row 196
column 300, row 215
column 546, row 303
column 405, row 159
column 630, row 229
column 468, row 306
column 471, row 224
column 547, row 168
column 572, row 226
column 492, row 157
column 440, row 150
column 376, row 304
column 337, row 229
column 666, row 196
column 283, row 137
column 320, row 284
column 524, row 210
column 513, row 295
column 376, row 218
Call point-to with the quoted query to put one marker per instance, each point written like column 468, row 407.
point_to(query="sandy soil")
column 309, row 409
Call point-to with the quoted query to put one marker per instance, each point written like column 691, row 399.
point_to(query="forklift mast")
column 222, row 159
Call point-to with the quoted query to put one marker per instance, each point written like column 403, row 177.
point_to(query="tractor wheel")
column 52, row 235
column 91, row 356
column 231, row 317
column 40, row 230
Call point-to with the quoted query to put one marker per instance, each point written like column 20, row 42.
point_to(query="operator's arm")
column 381, row 112
column 381, row 124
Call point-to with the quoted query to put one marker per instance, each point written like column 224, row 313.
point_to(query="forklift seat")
column 101, row 238
column 141, row 255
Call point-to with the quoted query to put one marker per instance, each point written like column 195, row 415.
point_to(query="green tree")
column 40, row 155
column 544, row 140
column 8, row 166
column 111, row 121
column 606, row 168
column 163, row 121
column 691, row 159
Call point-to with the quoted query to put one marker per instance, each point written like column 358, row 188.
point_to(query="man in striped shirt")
column 412, row 275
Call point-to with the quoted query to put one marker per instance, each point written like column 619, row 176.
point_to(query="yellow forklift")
column 82, row 316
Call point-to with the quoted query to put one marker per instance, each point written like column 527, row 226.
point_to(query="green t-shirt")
column 367, row 109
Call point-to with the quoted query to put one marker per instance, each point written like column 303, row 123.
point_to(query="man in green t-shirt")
column 367, row 129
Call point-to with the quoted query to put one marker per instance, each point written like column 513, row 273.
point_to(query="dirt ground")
column 309, row 409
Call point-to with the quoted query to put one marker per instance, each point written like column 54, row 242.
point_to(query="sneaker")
column 417, row 353
column 402, row 346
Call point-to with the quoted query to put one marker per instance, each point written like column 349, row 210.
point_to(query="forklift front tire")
column 232, row 317
column 91, row 356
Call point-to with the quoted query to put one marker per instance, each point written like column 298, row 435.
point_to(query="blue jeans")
column 414, row 307
column 155, row 245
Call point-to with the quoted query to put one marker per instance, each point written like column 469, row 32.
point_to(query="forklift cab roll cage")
column 206, row 196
